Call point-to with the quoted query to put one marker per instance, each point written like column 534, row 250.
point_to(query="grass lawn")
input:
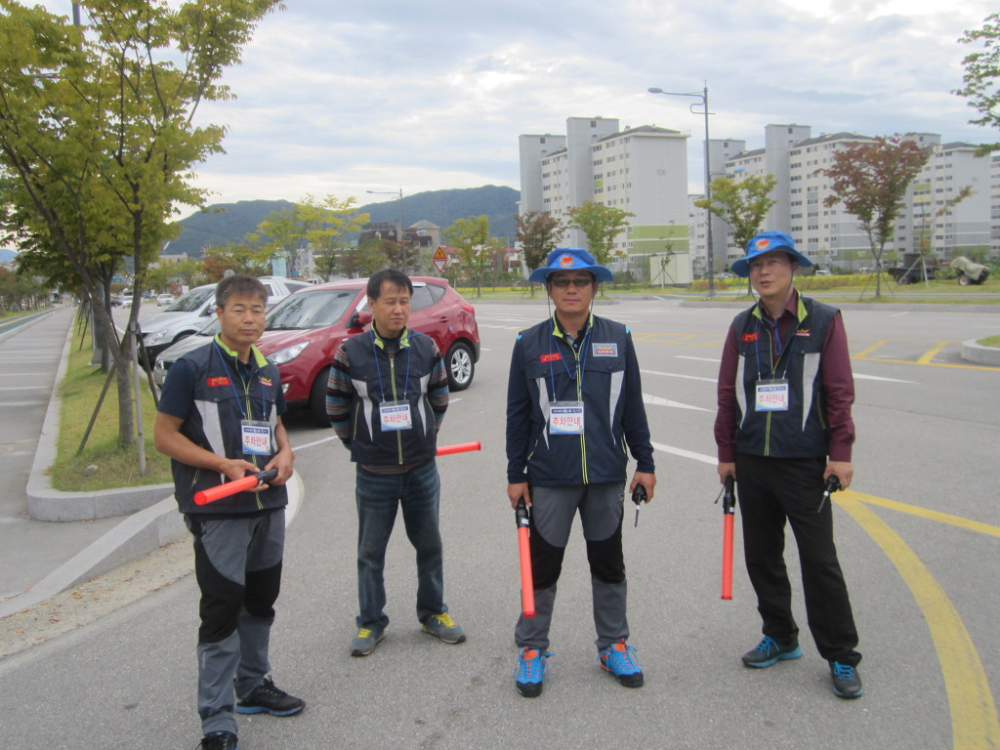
column 990, row 341
column 117, row 467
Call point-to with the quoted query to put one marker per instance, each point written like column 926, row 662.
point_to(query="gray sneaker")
column 366, row 641
column 443, row 627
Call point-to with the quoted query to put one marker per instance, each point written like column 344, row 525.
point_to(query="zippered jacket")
column 222, row 399
column 601, row 370
column 368, row 372
column 801, row 431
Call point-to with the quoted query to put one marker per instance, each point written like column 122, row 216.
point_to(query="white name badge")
column 395, row 415
column 566, row 418
column 256, row 437
column 772, row 395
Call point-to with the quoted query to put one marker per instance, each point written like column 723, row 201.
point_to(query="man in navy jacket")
column 574, row 404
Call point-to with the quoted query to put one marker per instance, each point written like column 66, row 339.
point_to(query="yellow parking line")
column 930, row 353
column 870, row 349
column 932, row 515
column 974, row 724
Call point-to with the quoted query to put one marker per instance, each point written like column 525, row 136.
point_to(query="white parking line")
column 22, row 403
column 657, row 401
column 26, row 388
column 676, row 375
column 859, row 376
column 698, row 359
column 686, row 453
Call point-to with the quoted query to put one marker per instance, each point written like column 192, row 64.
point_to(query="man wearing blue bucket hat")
column 574, row 402
column 783, row 428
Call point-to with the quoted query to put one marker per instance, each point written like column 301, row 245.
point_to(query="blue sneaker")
column 619, row 660
column 768, row 652
column 532, row 670
column 846, row 682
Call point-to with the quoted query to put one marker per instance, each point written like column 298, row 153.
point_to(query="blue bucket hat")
column 767, row 242
column 570, row 259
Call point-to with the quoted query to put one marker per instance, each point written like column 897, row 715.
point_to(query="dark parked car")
column 303, row 332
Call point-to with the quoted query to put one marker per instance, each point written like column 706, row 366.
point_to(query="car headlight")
column 286, row 355
column 153, row 338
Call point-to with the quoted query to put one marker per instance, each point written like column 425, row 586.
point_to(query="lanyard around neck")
column 378, row 369
column 246, row 388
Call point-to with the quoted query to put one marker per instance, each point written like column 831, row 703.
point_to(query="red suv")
column 303, row 332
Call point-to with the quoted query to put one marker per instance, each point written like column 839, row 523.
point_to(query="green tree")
column 471, row 237
column 923, row 232
column 325, row 222
column 600, row 224
column 538, row 233
column 742, row 204
column 870, row 179
column 982, row 76
column 97, row 133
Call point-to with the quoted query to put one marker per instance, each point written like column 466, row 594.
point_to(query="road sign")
column 439, row 259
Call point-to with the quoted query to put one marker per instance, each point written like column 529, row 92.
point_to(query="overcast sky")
column 341, row 98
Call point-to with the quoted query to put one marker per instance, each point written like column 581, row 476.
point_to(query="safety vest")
column 801, row 430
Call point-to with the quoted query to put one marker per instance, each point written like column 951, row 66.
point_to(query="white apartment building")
column 641, row 170
column 832, row 237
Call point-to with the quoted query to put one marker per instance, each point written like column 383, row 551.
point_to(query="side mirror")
column 359, row 319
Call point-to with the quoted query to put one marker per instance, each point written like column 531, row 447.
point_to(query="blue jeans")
column 378, row 496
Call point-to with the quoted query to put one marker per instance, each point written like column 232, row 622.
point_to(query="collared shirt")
column 835, row 369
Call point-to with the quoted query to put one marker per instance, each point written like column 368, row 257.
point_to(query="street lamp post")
column 703, row 101
column 401, row 236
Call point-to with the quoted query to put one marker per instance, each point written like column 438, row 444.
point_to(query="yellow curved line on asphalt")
column 974, row 723
column 931, row 515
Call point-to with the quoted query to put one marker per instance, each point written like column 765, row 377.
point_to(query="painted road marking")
column 859, row 376
column 973, row 712
column 926, row 358
column 974, row 723
column 926, row 364
column 657, row 401
column 870, row 349
column 676, row 375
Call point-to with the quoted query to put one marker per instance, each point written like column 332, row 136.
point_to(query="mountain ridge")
column 223, row 223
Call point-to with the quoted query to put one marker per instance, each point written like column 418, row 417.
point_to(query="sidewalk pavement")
column 51, row 541
column 40, row 558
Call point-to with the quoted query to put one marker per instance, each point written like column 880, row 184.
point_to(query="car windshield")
column 310, row 309
column 191, row 301
column 211, row 329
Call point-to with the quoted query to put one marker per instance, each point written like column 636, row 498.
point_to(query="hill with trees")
column 230, row 222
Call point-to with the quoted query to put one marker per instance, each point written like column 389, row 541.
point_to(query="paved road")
column 918, row 540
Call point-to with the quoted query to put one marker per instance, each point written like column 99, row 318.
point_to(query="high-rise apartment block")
column 830, row 236
column 641, row 170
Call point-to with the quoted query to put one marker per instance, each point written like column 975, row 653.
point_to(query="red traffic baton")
column 728, row 516
column 524, row 553
column 231, row 488
column 447, row 450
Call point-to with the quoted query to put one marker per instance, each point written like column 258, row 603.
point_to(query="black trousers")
column 771, row 490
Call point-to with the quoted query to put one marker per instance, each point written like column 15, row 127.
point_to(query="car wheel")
column 964, row 280
column 317, row 399
column 460, row 365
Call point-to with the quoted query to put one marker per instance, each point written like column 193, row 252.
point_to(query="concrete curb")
column 137, row 535
column 983, row 355
column 47, row 504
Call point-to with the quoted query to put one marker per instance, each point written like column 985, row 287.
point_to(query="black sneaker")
column 268, row 698
column 769, row 652
column 846, row 682
column 220, row 741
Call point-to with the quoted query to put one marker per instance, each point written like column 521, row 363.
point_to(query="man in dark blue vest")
column 783, row 428
column 220, row 417
column 574, row 407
